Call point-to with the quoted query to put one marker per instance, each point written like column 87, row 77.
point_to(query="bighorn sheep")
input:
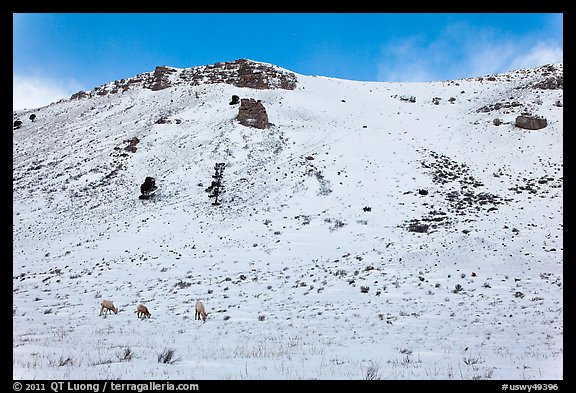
column 108, row 306
column 200, row 311
column 142, row 311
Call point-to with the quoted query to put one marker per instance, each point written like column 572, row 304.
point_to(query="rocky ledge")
column 240, row 73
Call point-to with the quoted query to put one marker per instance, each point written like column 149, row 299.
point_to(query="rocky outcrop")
column 252, row 113
column 546, row 77
column 551, row 83
column 240, row 73
column 132, row 142
column 498, row 106
column 554, row 78
column 77, row 96
column 160, row 78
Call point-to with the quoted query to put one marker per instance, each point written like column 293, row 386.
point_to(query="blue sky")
column 58, row 54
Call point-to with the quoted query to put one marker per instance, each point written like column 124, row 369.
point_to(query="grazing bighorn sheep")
column 200, row 311
column 142, row 311
column 108, row 306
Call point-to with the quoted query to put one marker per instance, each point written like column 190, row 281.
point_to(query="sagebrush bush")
column 167, row 356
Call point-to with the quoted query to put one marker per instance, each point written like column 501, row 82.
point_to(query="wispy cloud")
column 540, row 53
column 465, row 51
column 34, row 91
column 508, row 55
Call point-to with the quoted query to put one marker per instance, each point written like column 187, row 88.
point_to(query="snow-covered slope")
column 362, row 235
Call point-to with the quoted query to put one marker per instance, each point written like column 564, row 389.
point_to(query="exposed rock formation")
column 498, row 106
column 160, row 79
column 240, row 73
column 132, row 144
column 551, row 83
column 252, row 113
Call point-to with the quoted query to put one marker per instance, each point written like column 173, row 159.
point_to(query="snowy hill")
column 372, row 231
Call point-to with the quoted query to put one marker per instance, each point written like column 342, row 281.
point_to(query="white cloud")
column 462, row 51
column 35, row 92
column 411, row 72
column 540, row 54
column 486, row 58
column 403, row 63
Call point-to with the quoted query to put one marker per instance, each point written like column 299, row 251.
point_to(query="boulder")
column 528, row 122
column 235, row 100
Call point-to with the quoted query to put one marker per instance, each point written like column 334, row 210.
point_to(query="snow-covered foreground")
column 360, row 236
